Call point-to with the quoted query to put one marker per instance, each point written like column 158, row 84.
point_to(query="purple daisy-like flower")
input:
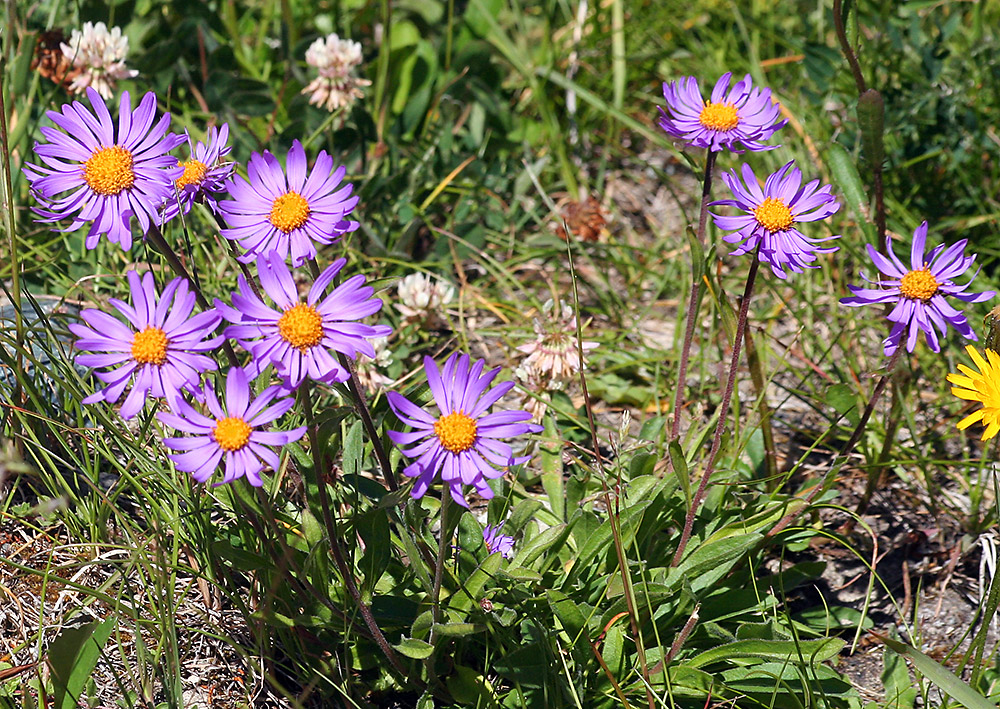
column 743, row 115
column 158, row 351
column 771, row 216
column 462, row 442
column 232, row 431
column 298, row 339
column 111, row 175
column 919, row 291
column 205, row 174
column 272, row 212
column 497, row 542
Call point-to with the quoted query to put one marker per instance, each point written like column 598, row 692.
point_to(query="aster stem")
column 361, row 406
column 161, row 245
column 331, row 530
column 691, row 314
column 727, row 396
column 841, row 457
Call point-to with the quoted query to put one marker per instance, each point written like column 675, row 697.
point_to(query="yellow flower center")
column 231, row 433
column 919, row 285
column 773, row 215
column 109, row 170
column 194, row 173
column 719, row 116
column 289, row 211
column 301, row 326
column 456, row 431
column 150, row 346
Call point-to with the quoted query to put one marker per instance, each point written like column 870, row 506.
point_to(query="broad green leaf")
column 72, row 657
column 417, row 649
column 551, row 539
column 712, row 560
column 550, row 454
column 470, row 591
column 945, row 680
column 457, row 629
column 810, row 651
column 847, row 179
column 601, row 539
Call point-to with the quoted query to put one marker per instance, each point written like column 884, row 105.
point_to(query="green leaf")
column 457, row 629
column 712, row 560
column 72, row 657
column 471, row 590
column 846, row 177
column 844, row 400
column 679, row 463
column 353, row 458
column 553, row 537
column 417, row 649
column 810, row 651
column 939, row 675
column 373, row 526
column 601, row 539
column 550, row 453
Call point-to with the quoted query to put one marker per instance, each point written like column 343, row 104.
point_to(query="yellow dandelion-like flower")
column 982, row 386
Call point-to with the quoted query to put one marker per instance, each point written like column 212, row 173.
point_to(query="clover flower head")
column 462, row 442
column 288, row 210
column 301, row 337
column 982, row 386
column 112, row 176
column 771, row 215
column 205, row 174
column 497, row 542
column 98, row 55
column 232, row 432
column 554, row 353
column 421, row 298
column 336, row 86
column 160, row 350
column 741, row 117
column 918, row 292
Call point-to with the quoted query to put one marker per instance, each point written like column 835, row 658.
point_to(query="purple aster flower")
column 272, row 213
column 158, row 351
column 496, row 542
column 462, row 442
column 919, row 291
column 299, row 337
column 205, row 174
column 771, row 216
column 744, row 114
column 231, row 431
column 111, row 175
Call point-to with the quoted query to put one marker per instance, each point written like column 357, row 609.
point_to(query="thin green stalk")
column 361, row 407
column 331, row 531
column 623, row 565
column 893, row 419
column 157, row 240
column 727, row 396
column 767, row 432
column 693, row 302
column 15, row 266
column 841, row 457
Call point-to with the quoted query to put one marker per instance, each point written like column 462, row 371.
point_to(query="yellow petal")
column 970, row 419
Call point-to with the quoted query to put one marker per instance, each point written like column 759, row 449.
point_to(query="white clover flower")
column 99, row 57
column 422, row 298
column 554, row 354
column 335, row 58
